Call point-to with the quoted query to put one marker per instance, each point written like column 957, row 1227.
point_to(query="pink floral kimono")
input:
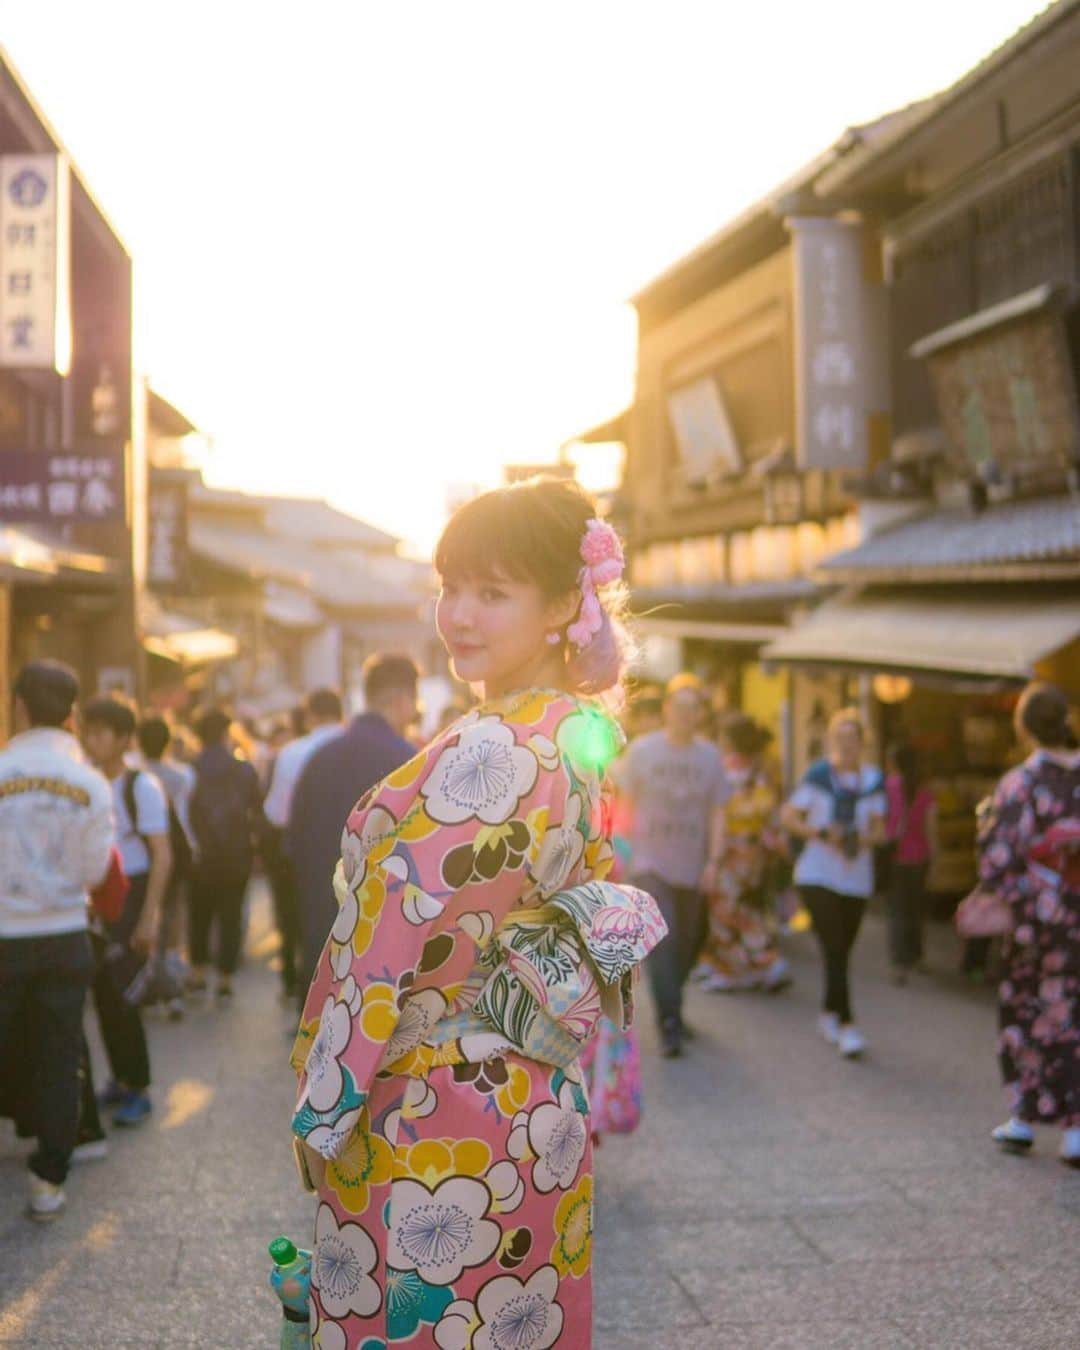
column 441, row 1114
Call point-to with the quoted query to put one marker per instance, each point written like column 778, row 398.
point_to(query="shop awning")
column 710, row 630
column 185, row 642
column 291, row 607
column 32, row 553
column 973, row 635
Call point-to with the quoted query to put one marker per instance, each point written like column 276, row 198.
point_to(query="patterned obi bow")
column 550, row 972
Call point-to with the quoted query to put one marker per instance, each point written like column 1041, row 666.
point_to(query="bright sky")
column 383, row 247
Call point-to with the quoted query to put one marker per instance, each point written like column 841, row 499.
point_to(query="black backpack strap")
column 131, row 806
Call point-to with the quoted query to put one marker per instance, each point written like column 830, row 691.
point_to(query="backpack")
column 178, row 840
column 221, row 818
column 845, row 800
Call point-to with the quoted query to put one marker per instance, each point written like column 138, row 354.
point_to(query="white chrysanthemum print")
column 454, row 1328
column 442, row 1232
column 519, row 1316
column 512, row 1315
column 561, row 850
column 557, row 1135
column 326, row 1335
column 341, row 1267
column 507, row 1187
column 483, row 777
column 323, row 1067
column 329, row 1140
column 420, row 1013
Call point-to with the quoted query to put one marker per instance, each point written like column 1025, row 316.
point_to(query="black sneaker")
column 671, row 1039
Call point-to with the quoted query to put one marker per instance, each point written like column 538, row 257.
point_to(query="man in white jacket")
column 56, row 831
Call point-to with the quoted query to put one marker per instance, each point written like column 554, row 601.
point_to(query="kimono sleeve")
column 430, row 866
column 1005, row 830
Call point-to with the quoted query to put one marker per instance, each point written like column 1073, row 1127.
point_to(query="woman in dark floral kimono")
column 1029, row 857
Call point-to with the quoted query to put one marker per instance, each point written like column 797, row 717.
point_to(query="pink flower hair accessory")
column 603, row 560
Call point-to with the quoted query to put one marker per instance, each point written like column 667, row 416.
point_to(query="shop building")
column 72, row 458
column 966, row 582
column 761, row 387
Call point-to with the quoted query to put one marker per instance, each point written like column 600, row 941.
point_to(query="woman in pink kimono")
column 441, row 1115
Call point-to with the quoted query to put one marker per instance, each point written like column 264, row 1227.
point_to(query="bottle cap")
column 282, row 1251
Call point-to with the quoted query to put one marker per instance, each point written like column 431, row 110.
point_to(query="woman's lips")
column 465, row 648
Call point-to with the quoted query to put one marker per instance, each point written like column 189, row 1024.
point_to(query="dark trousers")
column 216, row 900
column 283, row 887
column 836, row 925
column 907, row 886
column 44, row 980
column 684, row 911
column 318, row 913
column 121, row 1023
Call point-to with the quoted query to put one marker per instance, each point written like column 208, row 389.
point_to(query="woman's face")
column 495, row 630
column 845, row 745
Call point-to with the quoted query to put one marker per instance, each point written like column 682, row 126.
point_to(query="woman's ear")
column 562, row 612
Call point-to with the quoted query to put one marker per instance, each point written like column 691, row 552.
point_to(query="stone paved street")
column 775, row 1196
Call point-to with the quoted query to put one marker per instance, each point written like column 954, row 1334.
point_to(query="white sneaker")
column 829, row 1026
column 715, row 983
column 1070, row 1146
column 46, row 1200
column 90, row 1151
column 1014, row 1136
column 852, row 1042
column 777, row 977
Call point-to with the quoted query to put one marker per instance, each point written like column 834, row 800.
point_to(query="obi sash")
column 546, row 977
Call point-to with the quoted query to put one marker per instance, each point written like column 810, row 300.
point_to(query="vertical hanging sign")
column 840, row 341
column 35, row 263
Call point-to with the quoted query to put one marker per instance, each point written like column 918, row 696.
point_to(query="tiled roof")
column 348, row 578
column 1033, row 538
column 299, row 517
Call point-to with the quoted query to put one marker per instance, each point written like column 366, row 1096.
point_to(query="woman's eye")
column 490, row 594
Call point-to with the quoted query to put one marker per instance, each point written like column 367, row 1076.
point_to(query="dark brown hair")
column 388, row 672
column 1043, row 712
column 533, row 532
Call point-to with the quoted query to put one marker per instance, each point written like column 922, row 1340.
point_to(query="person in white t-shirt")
column 838, row 811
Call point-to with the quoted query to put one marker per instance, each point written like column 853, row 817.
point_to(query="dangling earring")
column 553, row 638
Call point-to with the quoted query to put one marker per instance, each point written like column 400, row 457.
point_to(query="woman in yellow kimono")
column 441, row 1115
column 740, row 952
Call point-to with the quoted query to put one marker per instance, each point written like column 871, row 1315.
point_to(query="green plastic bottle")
column 290, row 1279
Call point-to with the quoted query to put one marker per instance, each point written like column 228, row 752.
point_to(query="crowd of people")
column 126, row 849
column 461, row 923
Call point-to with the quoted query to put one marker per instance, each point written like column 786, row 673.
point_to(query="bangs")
column 494, row 537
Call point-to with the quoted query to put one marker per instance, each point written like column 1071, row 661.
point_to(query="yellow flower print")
column 572, row 1251
column 433, row 1160
column 416, row 824
column 407, row 775
column 305, row 1034
column 379, row 1011
column 367, row 1161
column 529, row 709
column 369, row 901
column 514, row 1093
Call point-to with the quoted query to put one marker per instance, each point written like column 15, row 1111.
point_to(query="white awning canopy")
column 987, row 636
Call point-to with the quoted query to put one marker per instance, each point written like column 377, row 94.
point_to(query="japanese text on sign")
column 36, row 486
column 35, row 319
